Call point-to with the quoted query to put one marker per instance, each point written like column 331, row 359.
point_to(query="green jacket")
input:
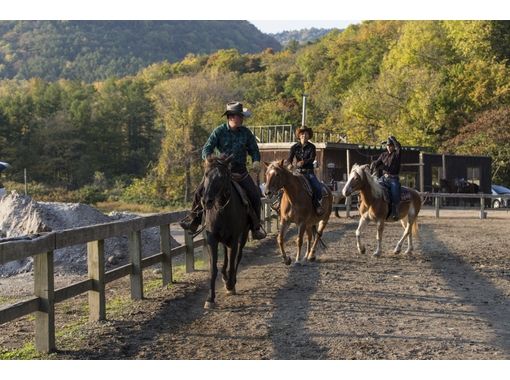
column 239, row 143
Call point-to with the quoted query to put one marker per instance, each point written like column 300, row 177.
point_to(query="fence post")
column 190, row 259
column 95, row 263
column 482, row 207
column 44, row 289
column 136, row 276
column 348, row 201
column 436, row 202
column 165, row 245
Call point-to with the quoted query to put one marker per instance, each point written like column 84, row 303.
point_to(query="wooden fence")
column 438, row 199
column 42, row 248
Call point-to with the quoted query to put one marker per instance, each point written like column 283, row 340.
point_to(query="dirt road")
column 449, row 301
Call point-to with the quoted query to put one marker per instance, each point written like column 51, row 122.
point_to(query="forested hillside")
column 301, row 36
column 442, row 84
column 96, row 50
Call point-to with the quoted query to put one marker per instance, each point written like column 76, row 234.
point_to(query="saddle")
column 275, row 205
column 405, row 194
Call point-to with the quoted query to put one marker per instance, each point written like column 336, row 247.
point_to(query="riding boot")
column 318, row 207
column 394, row 212
column 257, row 232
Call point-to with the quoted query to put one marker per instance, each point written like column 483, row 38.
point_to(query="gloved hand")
column 300, row 164
column 256, row 166
column 393, row 139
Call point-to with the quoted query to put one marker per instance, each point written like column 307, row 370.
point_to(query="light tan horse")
column 374, row 207
column 296, row 206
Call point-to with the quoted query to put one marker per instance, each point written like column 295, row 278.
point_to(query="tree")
column 185, row 109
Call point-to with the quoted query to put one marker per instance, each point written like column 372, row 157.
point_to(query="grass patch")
column 26, row 352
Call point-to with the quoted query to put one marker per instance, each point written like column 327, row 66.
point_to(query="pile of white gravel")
column 20, row 216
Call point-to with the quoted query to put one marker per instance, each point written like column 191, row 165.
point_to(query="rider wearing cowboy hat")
column 389, row 162
column 304, row 153
column 232, row 138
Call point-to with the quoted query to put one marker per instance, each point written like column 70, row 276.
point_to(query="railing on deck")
column 284, row 133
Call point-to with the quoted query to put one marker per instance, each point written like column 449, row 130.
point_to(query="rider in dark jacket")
column 389, row 162
column 304, row 153
column 232, row 138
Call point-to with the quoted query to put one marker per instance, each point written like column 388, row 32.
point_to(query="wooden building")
column 420, row 168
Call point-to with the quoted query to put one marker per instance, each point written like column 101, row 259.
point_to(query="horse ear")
column 281, row 162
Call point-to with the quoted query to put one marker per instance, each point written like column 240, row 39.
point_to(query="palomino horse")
column 226, row 222
column 296, row 206
column 375, row 208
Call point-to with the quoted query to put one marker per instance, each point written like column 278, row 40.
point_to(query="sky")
column 276, row 26
column 276, row 13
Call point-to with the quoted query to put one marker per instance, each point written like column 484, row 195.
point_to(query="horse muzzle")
column 346, row 191
column 268, row 194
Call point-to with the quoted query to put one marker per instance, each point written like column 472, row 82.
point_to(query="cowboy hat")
column 236, row 108
column 304, row 129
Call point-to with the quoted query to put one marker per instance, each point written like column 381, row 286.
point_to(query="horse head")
column 275, row 177
column 217, row 185
column 358, row 175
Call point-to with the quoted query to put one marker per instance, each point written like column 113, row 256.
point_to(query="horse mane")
column 278, row 164
column 375, row 187
column 212, row 162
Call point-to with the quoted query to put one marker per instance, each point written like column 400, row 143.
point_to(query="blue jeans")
column 394, row 185
column 316, row 188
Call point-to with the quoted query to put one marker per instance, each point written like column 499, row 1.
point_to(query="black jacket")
column 389, row 162
column 304, row 153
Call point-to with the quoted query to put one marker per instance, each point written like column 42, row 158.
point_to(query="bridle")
column 226, row 188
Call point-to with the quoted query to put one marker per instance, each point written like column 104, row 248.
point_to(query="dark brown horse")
column 226, row 222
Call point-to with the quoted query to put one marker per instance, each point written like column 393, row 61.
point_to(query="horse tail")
column 315, row 233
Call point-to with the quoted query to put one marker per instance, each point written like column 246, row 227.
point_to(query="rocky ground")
column 450, row 300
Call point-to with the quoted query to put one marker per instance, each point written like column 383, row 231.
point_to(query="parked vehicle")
column 500, row 202
column 3, row 166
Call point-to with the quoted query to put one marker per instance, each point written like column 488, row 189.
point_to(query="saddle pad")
column 405, row 194
column 308, row 187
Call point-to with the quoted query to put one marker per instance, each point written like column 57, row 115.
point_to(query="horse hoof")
column 312, row 259
column 396, row 251
column 409, row 253
column 362, row 251
column 209, row 305
column 287, row 261
column 231, row 292
column 376, row 254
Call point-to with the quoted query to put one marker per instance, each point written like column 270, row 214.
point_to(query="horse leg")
column 284, row 225
column 320, row 229
column 299, row 242
column 407, row 231
column 309, row 238
column 410, row 226
column 212, row 245
column 244, row 237
column 380, row 229
column 398, row 247
column 230, row 286
column 409, row 249
column 362, row 221
column 225, row 263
